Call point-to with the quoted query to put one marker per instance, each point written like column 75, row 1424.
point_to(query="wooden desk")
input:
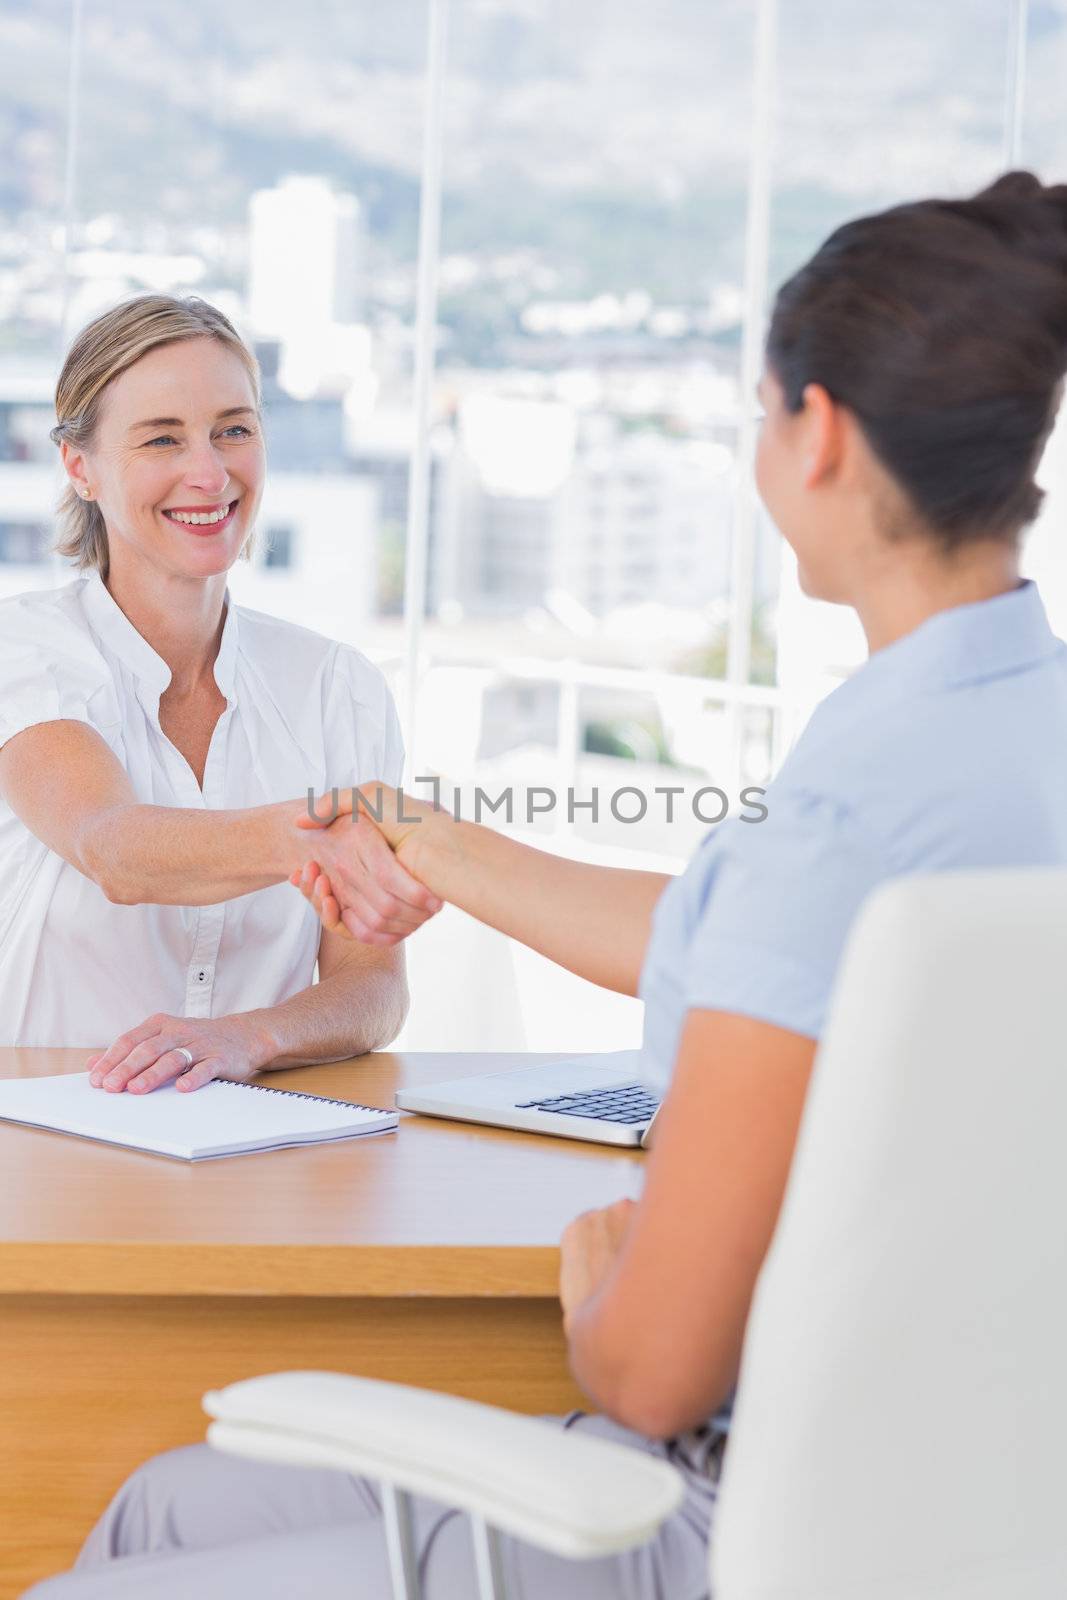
column 130, row 1283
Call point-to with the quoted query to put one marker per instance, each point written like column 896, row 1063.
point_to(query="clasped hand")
column 358, row 888
column 357, row 883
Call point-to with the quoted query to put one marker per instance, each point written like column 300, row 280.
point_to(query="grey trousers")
column 194, row 1524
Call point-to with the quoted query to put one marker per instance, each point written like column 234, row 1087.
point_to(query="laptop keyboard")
column 627, row 1103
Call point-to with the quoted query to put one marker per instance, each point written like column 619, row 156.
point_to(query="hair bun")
column 942, row 325
column 1028, row 216
column 1054, row 195
column 1016, row 185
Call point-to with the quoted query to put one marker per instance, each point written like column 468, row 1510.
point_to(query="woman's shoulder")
column 62, row 602
column 315, row 679
column 48, row 624
column 50, row 664
column 307, row 656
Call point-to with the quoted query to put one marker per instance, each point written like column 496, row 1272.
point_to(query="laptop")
column 597, row 1097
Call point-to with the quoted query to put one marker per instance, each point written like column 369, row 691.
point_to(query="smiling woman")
column 159, row 347
column 156, row 739
column 142, row 477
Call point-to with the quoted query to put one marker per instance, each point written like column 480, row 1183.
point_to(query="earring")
column 88, row 493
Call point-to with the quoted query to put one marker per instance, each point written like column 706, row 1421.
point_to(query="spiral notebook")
column 221, row 1119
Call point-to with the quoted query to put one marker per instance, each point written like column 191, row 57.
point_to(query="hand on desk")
column 358, row 885
column 146, row 1056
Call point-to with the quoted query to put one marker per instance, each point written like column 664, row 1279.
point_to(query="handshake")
column 363, row 880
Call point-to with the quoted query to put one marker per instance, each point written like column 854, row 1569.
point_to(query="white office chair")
column 903, row 1403
column 564, row 1492
column 464, row 993
column 902, row 1420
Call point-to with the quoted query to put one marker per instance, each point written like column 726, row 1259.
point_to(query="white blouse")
column 301, row 712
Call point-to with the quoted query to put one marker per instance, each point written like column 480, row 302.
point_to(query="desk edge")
column 299, row 1270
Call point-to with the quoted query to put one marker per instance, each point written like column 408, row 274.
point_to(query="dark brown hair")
column 942, row 325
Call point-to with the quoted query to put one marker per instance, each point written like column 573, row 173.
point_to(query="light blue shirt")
column 947, row 749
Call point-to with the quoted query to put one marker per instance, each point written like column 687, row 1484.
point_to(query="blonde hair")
column 106, row 347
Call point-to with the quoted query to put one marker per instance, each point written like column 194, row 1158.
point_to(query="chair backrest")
column 901, row 1427
column 464, row 994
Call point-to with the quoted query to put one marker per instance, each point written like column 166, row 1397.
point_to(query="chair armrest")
column 562, row 1491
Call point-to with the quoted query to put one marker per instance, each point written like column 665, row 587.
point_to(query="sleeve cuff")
column 758, row 981
column 45, row 708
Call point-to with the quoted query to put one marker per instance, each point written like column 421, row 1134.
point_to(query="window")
column 931, row 119
column 621, row 188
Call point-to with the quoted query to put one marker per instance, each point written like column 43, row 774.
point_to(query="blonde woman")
column 155, row 740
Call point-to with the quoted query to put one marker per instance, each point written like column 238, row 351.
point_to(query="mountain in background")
column 610, row 140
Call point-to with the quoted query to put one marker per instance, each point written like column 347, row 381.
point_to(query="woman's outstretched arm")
column 65, row 784
column 593, row 920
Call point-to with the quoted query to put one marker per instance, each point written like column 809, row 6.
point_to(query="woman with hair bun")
column 913, row 370
column 155, row 740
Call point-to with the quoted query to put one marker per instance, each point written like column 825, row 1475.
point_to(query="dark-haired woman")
column 913, row 373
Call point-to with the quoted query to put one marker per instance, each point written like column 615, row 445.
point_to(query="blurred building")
column 26, row 413
column 379, row 450
column 559, row 507
column 29, row 481
column 306, row 285
column 646, row 518
column 304, row 258
column 315, row 559
column 302, row 435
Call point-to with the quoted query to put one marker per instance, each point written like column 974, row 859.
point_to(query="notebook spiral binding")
column 295, row 1094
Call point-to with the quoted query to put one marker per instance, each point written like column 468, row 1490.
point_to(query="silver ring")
column 180, row 1050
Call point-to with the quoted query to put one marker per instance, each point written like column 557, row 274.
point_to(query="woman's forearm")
column 358, row 1008
column 593, row 920
column 169, row 855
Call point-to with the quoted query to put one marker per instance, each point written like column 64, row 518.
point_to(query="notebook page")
column 220, row 1119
